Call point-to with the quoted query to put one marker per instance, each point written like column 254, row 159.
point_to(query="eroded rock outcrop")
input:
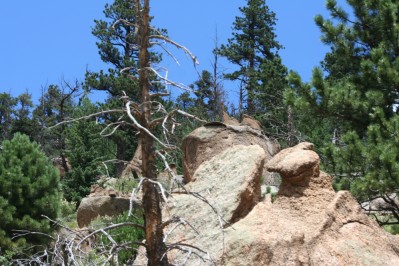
column 308, row 224
column 101, row 202
column 133, row 168
column 207, row 141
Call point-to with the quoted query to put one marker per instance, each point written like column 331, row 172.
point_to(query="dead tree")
column 147, row 37
column 142, row 117
column 151, row 199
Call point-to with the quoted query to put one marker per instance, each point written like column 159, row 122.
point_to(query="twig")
column 143, row 128
column 112, row 227
column 133, row 196
column 187, row 51
column 170, row 82
column 87, row 117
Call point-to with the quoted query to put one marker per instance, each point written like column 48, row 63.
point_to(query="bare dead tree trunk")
column 65, row 98
column 241, row 100
column 218, row 94
column 291, row 127
column 156, row 248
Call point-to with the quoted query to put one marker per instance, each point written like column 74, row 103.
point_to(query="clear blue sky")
column 44, row 41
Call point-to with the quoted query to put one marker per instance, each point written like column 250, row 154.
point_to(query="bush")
column 125, row 236
column 29, row 188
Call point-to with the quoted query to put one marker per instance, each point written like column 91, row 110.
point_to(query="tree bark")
column 156, row 248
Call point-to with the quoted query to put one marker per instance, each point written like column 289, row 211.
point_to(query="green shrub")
column 125, row 185
column 29, row 188
column 122, row 235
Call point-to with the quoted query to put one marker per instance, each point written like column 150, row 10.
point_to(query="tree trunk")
column 120, row 155
column 156, row 248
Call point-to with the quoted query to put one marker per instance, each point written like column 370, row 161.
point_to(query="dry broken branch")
column 145, row 130
column 186, row 51
column 112, row 227
column 170, row 82
column 87, row 117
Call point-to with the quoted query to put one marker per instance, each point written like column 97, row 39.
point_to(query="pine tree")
column 254, row 49
column 357, row 91
column 7, row 105
column 261, row 73
column 86, row 151
column 23, row 122
column 29, row 188
column 55, row 106
column 118, row 47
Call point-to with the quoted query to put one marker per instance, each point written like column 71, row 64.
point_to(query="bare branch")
column 112, row 227
column 170, row 82
column 160, row 187
column 87, row 117
column 193, row 57
column 178, row 221
column 189, row 249
column 167, row 51
column 126, row 23
column 143, row 128
column 175, row 178
column 133, row 196
column 20, row 233
column 171, row 113
column 118, row 124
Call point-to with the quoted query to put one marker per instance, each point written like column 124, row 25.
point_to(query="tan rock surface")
column 92, row 207
column 228, row 120
column 308, row 224
column 224, row 189
column 207, row 141
column 101, row 202
column 250, row 121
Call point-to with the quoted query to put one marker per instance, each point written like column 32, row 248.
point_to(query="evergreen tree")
column 357, row 91
column 54, row 106
column 23, row 122
column 7, row 105
column 262, row 76
column 86, row 151
column 29, row 188
column 254, row 49
column 118, row 47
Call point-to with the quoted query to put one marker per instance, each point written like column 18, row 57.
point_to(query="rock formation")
column 101, row 202
column 308, row 224
column 223, row 190
column 251, row 122
column 62, row 164
column 212, row 139
column 228, row 120
column 133, row 168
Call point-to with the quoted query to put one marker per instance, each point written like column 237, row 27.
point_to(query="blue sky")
column 45, row 41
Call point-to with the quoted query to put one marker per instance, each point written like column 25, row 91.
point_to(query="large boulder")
column 223, row 190
column 101, row 202
column 308, row 224
column 92, row 207
column 212, row 139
